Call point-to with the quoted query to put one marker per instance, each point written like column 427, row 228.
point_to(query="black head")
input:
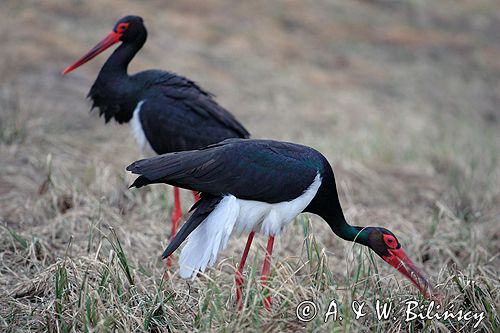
column 381, row 241
column 384, row 243
column 130, row 28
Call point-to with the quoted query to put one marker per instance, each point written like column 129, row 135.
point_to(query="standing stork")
column 259, row 186
column 168, row 112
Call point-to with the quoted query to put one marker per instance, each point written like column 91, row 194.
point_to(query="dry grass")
column 402, row 97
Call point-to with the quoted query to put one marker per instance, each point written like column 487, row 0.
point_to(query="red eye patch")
column 390, row 241
column 122, row 27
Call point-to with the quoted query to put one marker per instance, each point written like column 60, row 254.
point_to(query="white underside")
column 137, row 130
column 211, row 236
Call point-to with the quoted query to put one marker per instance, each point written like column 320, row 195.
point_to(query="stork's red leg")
column 239, row 275
column 266, row 268
column 176, row 216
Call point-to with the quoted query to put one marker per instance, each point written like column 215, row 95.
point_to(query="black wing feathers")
column 178, row 115
column 198, row 100
column 259, row 170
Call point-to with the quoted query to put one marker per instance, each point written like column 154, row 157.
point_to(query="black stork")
column 259, row 185
column 168, row 112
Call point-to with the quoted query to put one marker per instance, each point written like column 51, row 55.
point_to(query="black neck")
column 117, row 63
column 327, row 205
column 114, row 91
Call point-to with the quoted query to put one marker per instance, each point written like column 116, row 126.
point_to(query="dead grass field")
column 402, row 97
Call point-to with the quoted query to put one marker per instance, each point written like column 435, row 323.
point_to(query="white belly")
column 211, row 236
column 137, row 130
column 272, row 219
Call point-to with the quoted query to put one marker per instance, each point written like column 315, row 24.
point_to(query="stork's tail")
column 158, row 169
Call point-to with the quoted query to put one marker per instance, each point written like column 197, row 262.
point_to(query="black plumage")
column 247, row 169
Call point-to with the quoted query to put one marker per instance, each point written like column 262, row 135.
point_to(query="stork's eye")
column 122, row 27
column 390, row 241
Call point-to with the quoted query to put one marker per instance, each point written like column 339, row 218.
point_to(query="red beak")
column 110, row 39
column 399, row 260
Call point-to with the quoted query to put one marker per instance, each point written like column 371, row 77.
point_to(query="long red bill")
column 110, row 39
column 399, row 260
